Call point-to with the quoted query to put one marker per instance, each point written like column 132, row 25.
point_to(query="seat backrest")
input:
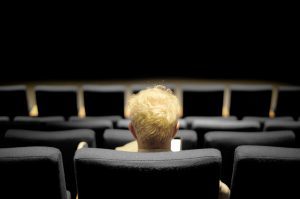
column 250, row 100
column 204, row 126
column 227, row 142
column 32, row 172
column 66, row 141
column 150, row 174
column 288, row 101
column 278, row 125
column 202, row 100
column 56, row 100
column 265, row 172
column 113, row 138
column 13, row 101
column 104, row 100
column 98, row 126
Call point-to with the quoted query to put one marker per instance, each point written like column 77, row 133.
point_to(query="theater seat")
column 103, row 172
column 204, row 126
column 104, row 100
column 202, row 100
column 56, row 100
column 288, row 101
column 262, row 120
column 250, row 100
column 278, row 125
column 13, row 101
column 113, row 138
column 66, row 141
column 32, row 172
column 226, row 142
column 98, row 126
column 265, row 172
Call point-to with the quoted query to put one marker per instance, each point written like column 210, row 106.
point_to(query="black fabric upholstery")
column 262, row 120
column 56, row 100
column 113, row 118
column 113, row 138
column 190, row 119
column 278, row 125
column 66, row 141
column 250, row 100
column 288, row 101
column 13, row 101
column 226, row 142
column 39, row 119
column 265, row 172
column 204, row 126
column 104, row 100
column 123, row 124
column 98, row 126
column 138, row 87
column 32, row 172
column 200, row 100
column 4, row 118
column 160, row 174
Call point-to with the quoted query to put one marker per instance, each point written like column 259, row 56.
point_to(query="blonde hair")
column 154, row 114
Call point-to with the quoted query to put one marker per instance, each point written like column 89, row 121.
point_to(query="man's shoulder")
column 129, row 147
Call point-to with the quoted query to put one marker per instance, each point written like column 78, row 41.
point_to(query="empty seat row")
column 35, row 172
column 198, row 100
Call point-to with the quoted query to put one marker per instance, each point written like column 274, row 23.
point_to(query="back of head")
column 154, row 114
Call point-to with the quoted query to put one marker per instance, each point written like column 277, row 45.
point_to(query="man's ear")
column 176, row 129
column 132, row 130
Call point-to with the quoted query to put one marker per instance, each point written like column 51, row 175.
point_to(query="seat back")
column 288, row 101
column 200, row 100
column 250, row 100
column 204, row 126
column 265, row 172
column 227, row 142
column 13, row 101
column 113, row 138
column 56, row 100
column 279, row 125
column 66, row 141
column 151, row 174
column 32, row 172
column 104, row 100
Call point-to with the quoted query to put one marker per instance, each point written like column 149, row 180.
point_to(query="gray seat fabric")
column 265, row 172
column 288, row 101
column 13, row 101
column 113, row 118
column 32, row 172
column 204, row 126
column 190, row 119
column 4, row 118
column 226, row 142
column 202, row 100
column 278, row 125
column 56, row 100
column 250, row 100
column 262, row 120
column 152, row 174
column 113, row 138
column 66, row 141
column 98, row 126
column 104, row 100
column 39, row 119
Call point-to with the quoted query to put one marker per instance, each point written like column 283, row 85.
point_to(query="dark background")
column 58, row 46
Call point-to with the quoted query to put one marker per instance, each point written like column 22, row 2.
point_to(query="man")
column 154, row 114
